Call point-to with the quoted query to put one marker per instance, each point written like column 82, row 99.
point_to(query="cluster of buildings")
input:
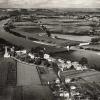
column 66, row 90
column 63, row 87
column 66, row 65
column 63, row 65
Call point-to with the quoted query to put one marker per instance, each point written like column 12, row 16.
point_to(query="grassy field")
column 89, row 75
column 29, row 89
column 27, row 23
column 31, row 29
column 58, row 29
column 7, row 72
column 60, row 26
column 67, row 26
column 45, row 38
column 28, row 78
column 27, row 75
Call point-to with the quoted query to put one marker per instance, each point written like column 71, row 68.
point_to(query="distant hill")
column 47, row 12
column 57, row 11
column 68, row 9
column 78, row 9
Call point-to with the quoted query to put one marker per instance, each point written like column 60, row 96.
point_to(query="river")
column 75, row 37
column 74, row 54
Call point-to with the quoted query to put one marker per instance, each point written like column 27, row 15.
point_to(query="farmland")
column 62, row 21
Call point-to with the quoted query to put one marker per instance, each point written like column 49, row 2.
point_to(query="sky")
column 50, row 3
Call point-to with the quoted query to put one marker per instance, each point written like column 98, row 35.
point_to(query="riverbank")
column 74, row 37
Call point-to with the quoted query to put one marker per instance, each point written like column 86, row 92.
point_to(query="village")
column 66, row 79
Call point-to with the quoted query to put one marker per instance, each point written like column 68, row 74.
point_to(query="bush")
column 83, row 61
column 81, row 48
column 94, row 40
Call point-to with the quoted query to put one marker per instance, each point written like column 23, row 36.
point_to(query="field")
column 64, row 27
column 67, row 26
column 59, row 27
column 7, row 72
column 43, row 38
column 28, row 78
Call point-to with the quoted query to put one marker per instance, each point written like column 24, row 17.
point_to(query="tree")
column 48, row 33
column 83, row 61
column 24, row 11
column 94, row 25
column 14, row 13
column 95, row 40
column 39, row 51
column 46, row 30
column 33, row 18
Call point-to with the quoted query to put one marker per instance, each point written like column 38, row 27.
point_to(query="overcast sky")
column 50, row 3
